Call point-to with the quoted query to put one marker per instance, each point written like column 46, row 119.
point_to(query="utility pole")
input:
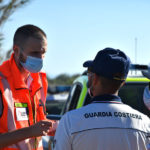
column 135, row 54
column 135, row 50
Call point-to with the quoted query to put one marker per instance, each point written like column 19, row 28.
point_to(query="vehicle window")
column 132, row 94
column 73, row 97
column 54, row 107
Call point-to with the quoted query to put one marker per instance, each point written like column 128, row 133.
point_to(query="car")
column 56, row 98
column 131, row 93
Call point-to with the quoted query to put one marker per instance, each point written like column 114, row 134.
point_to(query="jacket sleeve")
column 62, row 139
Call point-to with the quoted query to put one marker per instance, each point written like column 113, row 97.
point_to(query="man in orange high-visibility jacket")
column 23, row 89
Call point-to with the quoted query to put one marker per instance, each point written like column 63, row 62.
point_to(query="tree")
column 6, row 10
column 62, row 79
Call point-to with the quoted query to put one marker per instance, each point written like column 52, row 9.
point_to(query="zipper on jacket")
column 28, row 115
column 33, row 115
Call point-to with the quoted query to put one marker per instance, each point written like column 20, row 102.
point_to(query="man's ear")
column 16, row 50
column 95, row 79
column 122, row 84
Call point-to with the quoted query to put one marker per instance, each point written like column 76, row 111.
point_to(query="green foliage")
column 62, row 79
column 1, row 39
column 7, row 7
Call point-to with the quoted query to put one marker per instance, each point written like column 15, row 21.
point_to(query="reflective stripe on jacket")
column 16, row 96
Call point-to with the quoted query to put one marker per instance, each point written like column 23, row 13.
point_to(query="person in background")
column 146, row 93
column 146, row 96
column 23, row 89
column 106, row 123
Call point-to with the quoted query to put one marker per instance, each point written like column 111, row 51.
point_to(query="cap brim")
column 88, row 64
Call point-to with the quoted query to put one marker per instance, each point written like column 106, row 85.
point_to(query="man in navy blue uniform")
column 106, row 123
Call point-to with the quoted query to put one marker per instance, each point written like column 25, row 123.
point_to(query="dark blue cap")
column 110, row 63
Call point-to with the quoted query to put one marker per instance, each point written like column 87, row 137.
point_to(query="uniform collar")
column 106, row 98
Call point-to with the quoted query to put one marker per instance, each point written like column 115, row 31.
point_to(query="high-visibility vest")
column 9, row 115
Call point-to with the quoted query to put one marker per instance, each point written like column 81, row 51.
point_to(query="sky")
column 78, row 29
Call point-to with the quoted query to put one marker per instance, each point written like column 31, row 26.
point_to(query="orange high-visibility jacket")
column 21, row 107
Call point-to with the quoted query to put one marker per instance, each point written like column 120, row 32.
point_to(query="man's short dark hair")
column 25, row 32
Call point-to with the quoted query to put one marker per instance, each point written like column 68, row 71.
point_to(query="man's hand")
column 52, row 130
column 41, row 128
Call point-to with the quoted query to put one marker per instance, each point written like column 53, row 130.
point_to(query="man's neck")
column 103, row 92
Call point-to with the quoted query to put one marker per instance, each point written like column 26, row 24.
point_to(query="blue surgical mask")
column 33, row 64
column 89, row 89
